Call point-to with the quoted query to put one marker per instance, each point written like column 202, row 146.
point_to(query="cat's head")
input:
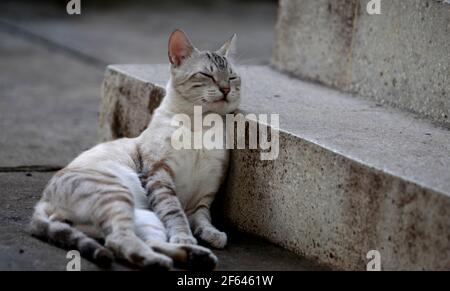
column 204, row 78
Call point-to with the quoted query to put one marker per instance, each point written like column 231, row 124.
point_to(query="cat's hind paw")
column 213, row 237
column 199, row 258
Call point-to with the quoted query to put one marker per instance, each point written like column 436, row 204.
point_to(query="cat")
column 146, row 200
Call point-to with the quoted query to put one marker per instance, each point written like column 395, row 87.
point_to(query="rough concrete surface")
column 400, row 57
column 314, row 38
column 333, row 210
column 351, row 176
column 121, row 104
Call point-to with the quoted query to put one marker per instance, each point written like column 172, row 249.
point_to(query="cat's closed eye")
column 207, row 75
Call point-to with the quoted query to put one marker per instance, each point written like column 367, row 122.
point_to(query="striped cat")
column 143, row 197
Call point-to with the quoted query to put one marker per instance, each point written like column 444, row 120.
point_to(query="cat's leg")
column 45, row 224
column 203, row 229
column 116, row 219
column 163, row 201
column 151, row 230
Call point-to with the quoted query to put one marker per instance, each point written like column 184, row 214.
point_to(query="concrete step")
column 398, row 57
column 20, row 251
column 351, row 176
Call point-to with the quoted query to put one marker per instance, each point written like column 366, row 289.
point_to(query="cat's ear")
column 229, row 47
column 180, row 47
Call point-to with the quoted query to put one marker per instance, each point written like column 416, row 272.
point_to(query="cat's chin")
column 221, row 107
column 220, row 103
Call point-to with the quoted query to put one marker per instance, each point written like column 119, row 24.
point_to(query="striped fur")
column 144, row 198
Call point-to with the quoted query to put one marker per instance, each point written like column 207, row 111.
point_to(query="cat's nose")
column 225, row 91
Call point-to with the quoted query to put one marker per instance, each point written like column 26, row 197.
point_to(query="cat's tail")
column 64, row 235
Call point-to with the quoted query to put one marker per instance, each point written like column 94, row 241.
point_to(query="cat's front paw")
column 215, row 238
column 183, row 239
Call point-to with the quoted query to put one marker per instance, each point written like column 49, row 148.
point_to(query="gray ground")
column 51, row 68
